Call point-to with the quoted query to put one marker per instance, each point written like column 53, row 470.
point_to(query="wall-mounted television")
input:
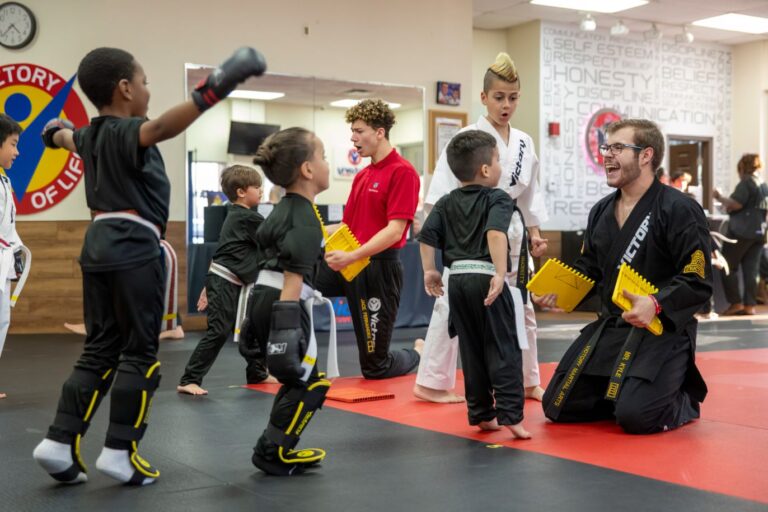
column 245, row 138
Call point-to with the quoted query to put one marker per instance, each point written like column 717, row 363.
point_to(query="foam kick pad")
column 724, row 451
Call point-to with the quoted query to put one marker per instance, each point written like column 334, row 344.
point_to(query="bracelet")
column 656, row 304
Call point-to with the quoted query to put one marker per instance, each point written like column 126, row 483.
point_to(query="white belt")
column 473, row 267
column 276, row 280
column 128, row 216
column 242, row 309
column 487, row 268
column 224, row 273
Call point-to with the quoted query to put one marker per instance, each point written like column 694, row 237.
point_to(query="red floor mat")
column 724, row 452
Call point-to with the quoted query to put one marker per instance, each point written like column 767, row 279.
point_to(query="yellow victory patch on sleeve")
column 696, row 266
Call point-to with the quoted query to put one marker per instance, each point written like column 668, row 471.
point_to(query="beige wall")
column 350, row 40
column 750, row 102
column 523, row 43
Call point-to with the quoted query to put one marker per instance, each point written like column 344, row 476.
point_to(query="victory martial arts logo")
column 32, row 95
column 595, row 135
column 374, row 304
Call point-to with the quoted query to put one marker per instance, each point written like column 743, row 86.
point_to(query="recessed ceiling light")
column 592, row 5
column 736, row 23
column 255, row 95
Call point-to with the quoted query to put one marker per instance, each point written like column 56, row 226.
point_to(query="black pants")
column 643, row 406
column 285, row 404
column 744, row 255
column 222, row 311
column 373, row 298
column 123, row 311
column 490, row 352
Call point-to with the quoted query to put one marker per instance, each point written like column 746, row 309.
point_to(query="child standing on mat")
column 9, row 238
column 289, row 248
column 470, row 226
column 128, row 192
column 234, row 266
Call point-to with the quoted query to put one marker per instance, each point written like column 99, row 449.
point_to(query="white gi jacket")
column 9, row 239
column 519, row 178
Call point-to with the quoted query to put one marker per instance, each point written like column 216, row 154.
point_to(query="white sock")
column 117, row 464
column 56, row 457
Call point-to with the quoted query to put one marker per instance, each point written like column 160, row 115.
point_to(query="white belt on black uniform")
column 309, row 297
column 487, row 268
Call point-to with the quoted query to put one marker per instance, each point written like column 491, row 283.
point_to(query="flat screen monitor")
column 245, row 138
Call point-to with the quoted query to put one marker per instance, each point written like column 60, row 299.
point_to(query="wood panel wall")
column 53, row 293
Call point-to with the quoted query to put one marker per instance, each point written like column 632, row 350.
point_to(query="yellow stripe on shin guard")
column 298, row 423
column 141, row 465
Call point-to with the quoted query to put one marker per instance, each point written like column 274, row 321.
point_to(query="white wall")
column 685, row 89
column 750, row 103
column 399, row 41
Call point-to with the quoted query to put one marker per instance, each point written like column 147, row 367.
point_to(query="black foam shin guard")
column 293, row 410
column 81, row 395
column 130, row 407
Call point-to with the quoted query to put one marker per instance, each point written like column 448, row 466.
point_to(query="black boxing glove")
column 287, row 344
column 51, row 127
column 244, row 63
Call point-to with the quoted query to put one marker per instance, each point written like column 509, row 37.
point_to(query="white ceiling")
column 669, row 15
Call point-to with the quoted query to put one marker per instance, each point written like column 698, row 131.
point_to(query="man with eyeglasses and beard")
column 616, row 368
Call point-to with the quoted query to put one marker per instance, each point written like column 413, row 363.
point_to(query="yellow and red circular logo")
column 32, row 95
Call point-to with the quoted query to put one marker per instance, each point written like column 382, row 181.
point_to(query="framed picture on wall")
column 442, row 127
column 448, row 93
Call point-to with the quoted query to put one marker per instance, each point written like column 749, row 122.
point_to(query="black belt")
column 572, row 375
column 624, row 359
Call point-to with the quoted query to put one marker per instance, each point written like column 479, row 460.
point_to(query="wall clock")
column 17, row 25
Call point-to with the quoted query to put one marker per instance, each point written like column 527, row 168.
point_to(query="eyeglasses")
column 617, row 148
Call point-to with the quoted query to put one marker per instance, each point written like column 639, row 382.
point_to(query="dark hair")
column 373, row 112
column 101, row 70
column 237, row 177
column 280, row 156
column 646, row 135
column 8, row 127
column 468, row 152
column 746, row 164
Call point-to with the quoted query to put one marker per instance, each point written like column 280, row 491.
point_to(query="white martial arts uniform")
column 9, row 243
column 519, row 178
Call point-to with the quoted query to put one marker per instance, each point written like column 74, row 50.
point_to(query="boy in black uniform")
column 470, row 226
column 128, row 192
column 289, row 247
column 234, row 266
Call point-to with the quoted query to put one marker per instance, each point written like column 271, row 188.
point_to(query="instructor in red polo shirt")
column 379, row 211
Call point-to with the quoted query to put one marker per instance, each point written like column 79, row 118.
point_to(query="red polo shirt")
column 383, row 191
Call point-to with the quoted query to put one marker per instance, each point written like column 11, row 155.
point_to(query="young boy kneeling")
column 470, row 226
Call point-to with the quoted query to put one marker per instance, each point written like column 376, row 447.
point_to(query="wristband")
column 656, row 304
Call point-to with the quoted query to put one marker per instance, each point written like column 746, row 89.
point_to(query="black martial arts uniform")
column 490, row 352
column 236, row 254
column 666, row 240
column 289, row 240
column 128, row 193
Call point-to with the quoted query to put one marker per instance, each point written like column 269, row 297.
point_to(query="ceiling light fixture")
column 653, row 33
column 736, row 23
column 592, row 5
column 619, row 29
column 685, row 38
column 255, row 95
column 588, row 23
